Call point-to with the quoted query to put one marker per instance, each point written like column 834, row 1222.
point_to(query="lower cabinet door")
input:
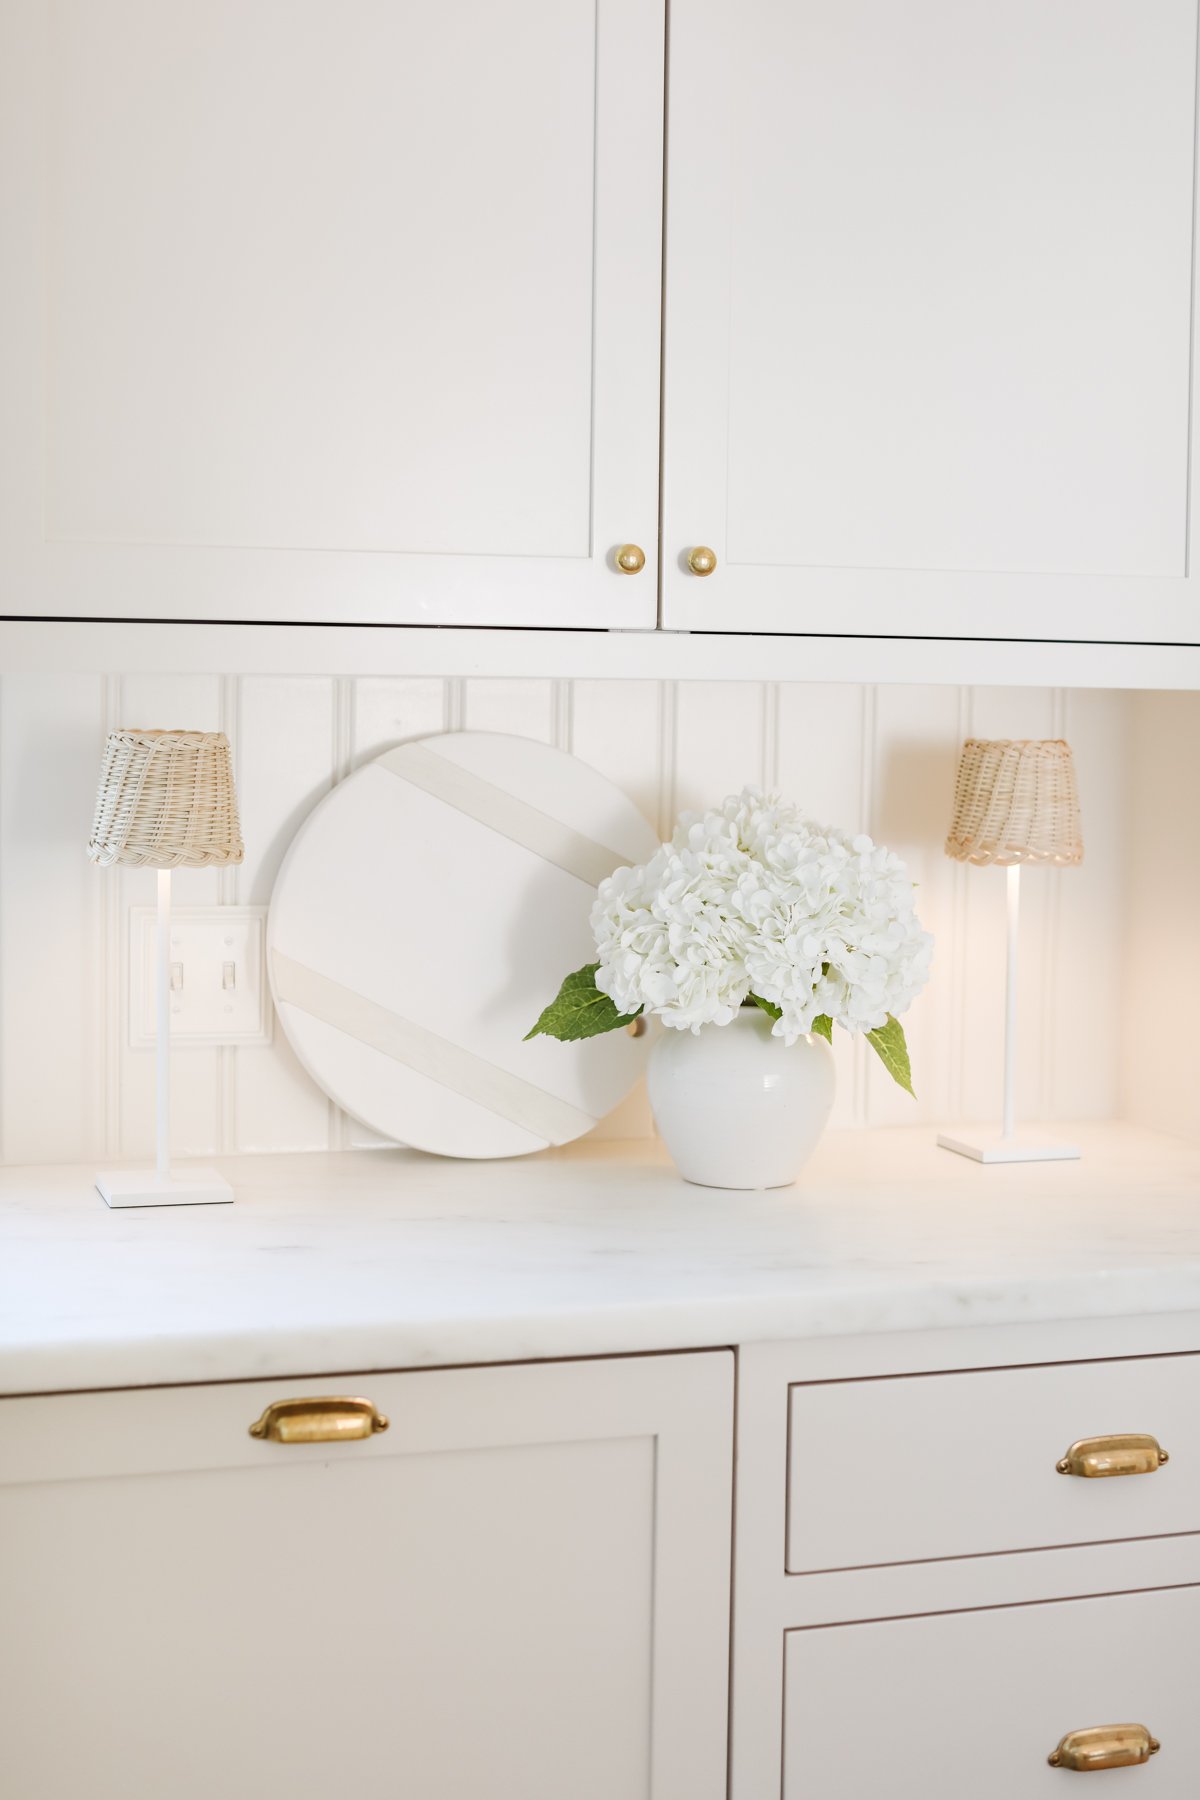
column 975, row 1704
column 517, row 1589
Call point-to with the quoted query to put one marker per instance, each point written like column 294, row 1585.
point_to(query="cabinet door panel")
column 975, row 1703
column 929, row 317
column 521, row 1587
column 329, row 314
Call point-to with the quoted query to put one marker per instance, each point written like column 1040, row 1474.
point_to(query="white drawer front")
column 930, row 1466
column 974, row 1703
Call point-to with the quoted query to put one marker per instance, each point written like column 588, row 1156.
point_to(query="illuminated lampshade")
column 1016, row 802
column 166, row 801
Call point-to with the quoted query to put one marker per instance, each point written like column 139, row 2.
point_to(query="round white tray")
column 425, row 913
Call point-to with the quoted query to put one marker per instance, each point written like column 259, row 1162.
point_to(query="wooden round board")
column 425, row 913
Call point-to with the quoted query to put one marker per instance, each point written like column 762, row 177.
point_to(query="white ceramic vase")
column 736, row 1107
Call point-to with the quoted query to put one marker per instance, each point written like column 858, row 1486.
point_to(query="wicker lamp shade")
column 1016, row 802
column 166, row 801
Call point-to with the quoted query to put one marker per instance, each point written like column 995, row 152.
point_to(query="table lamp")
column 166, row 801
column 1014, row 803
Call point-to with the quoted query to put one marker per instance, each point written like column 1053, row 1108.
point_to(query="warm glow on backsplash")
column 880, row 759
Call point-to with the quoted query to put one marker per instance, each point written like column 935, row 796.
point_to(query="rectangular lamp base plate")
column 1007, row 1150
column 145, row 1187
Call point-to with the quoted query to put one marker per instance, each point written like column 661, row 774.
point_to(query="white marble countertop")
column 389, row 1259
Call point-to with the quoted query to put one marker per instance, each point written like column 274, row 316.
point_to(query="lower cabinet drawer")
column 975, row 1704
column 919, row 1467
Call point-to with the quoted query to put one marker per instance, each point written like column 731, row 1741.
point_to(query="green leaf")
column 888, row 1043
column 772, row 1012
column 580, row 1010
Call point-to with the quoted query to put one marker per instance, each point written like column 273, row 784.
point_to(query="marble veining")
column 391, row 1260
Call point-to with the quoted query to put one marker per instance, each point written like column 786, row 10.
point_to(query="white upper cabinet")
column 928, row 317
column 320, row 312
column 312, row 312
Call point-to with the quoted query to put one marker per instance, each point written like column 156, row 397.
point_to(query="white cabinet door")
column 928, row 317
column 976, row 1703
column 324, row 312
column 519, row 1589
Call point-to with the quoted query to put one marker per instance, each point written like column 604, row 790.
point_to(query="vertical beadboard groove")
column 454, row 704
column 342, row 757
column 225, row 1133
column 668, row 747
column 230, row 704
column 562, row 710
column 957, row 949
column 770, row 736
column 1051, row 939
column 341, row 764
column 866, row 822
column 866, row 767
column 3, row 1040
column 111, row 964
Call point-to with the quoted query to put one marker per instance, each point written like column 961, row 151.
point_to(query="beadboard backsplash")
column 880, row 759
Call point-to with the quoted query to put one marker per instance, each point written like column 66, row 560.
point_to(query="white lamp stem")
column 163, row 1031
column 1010, row 1009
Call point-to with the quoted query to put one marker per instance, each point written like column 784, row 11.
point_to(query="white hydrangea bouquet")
column 754, row 905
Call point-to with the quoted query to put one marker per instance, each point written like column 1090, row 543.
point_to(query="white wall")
column 880, row 758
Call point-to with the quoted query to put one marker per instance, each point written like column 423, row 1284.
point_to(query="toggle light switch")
column 218, row 976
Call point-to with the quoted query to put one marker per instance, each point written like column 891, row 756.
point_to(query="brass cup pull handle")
column 1126, row 1453
column 1104, row 1747
column 324, row 1420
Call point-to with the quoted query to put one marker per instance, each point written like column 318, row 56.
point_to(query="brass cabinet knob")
column 1104, row 1747
column 1125, row 1453
column 328, row 1419
column 702, row 560
column 631, row 559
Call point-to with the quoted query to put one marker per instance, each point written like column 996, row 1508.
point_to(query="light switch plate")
column 218, row 976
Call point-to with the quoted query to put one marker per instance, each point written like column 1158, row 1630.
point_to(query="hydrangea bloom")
column 755, row 899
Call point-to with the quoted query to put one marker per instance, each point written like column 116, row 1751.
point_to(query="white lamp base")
column 1007, row 1150
column 146, row 1187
